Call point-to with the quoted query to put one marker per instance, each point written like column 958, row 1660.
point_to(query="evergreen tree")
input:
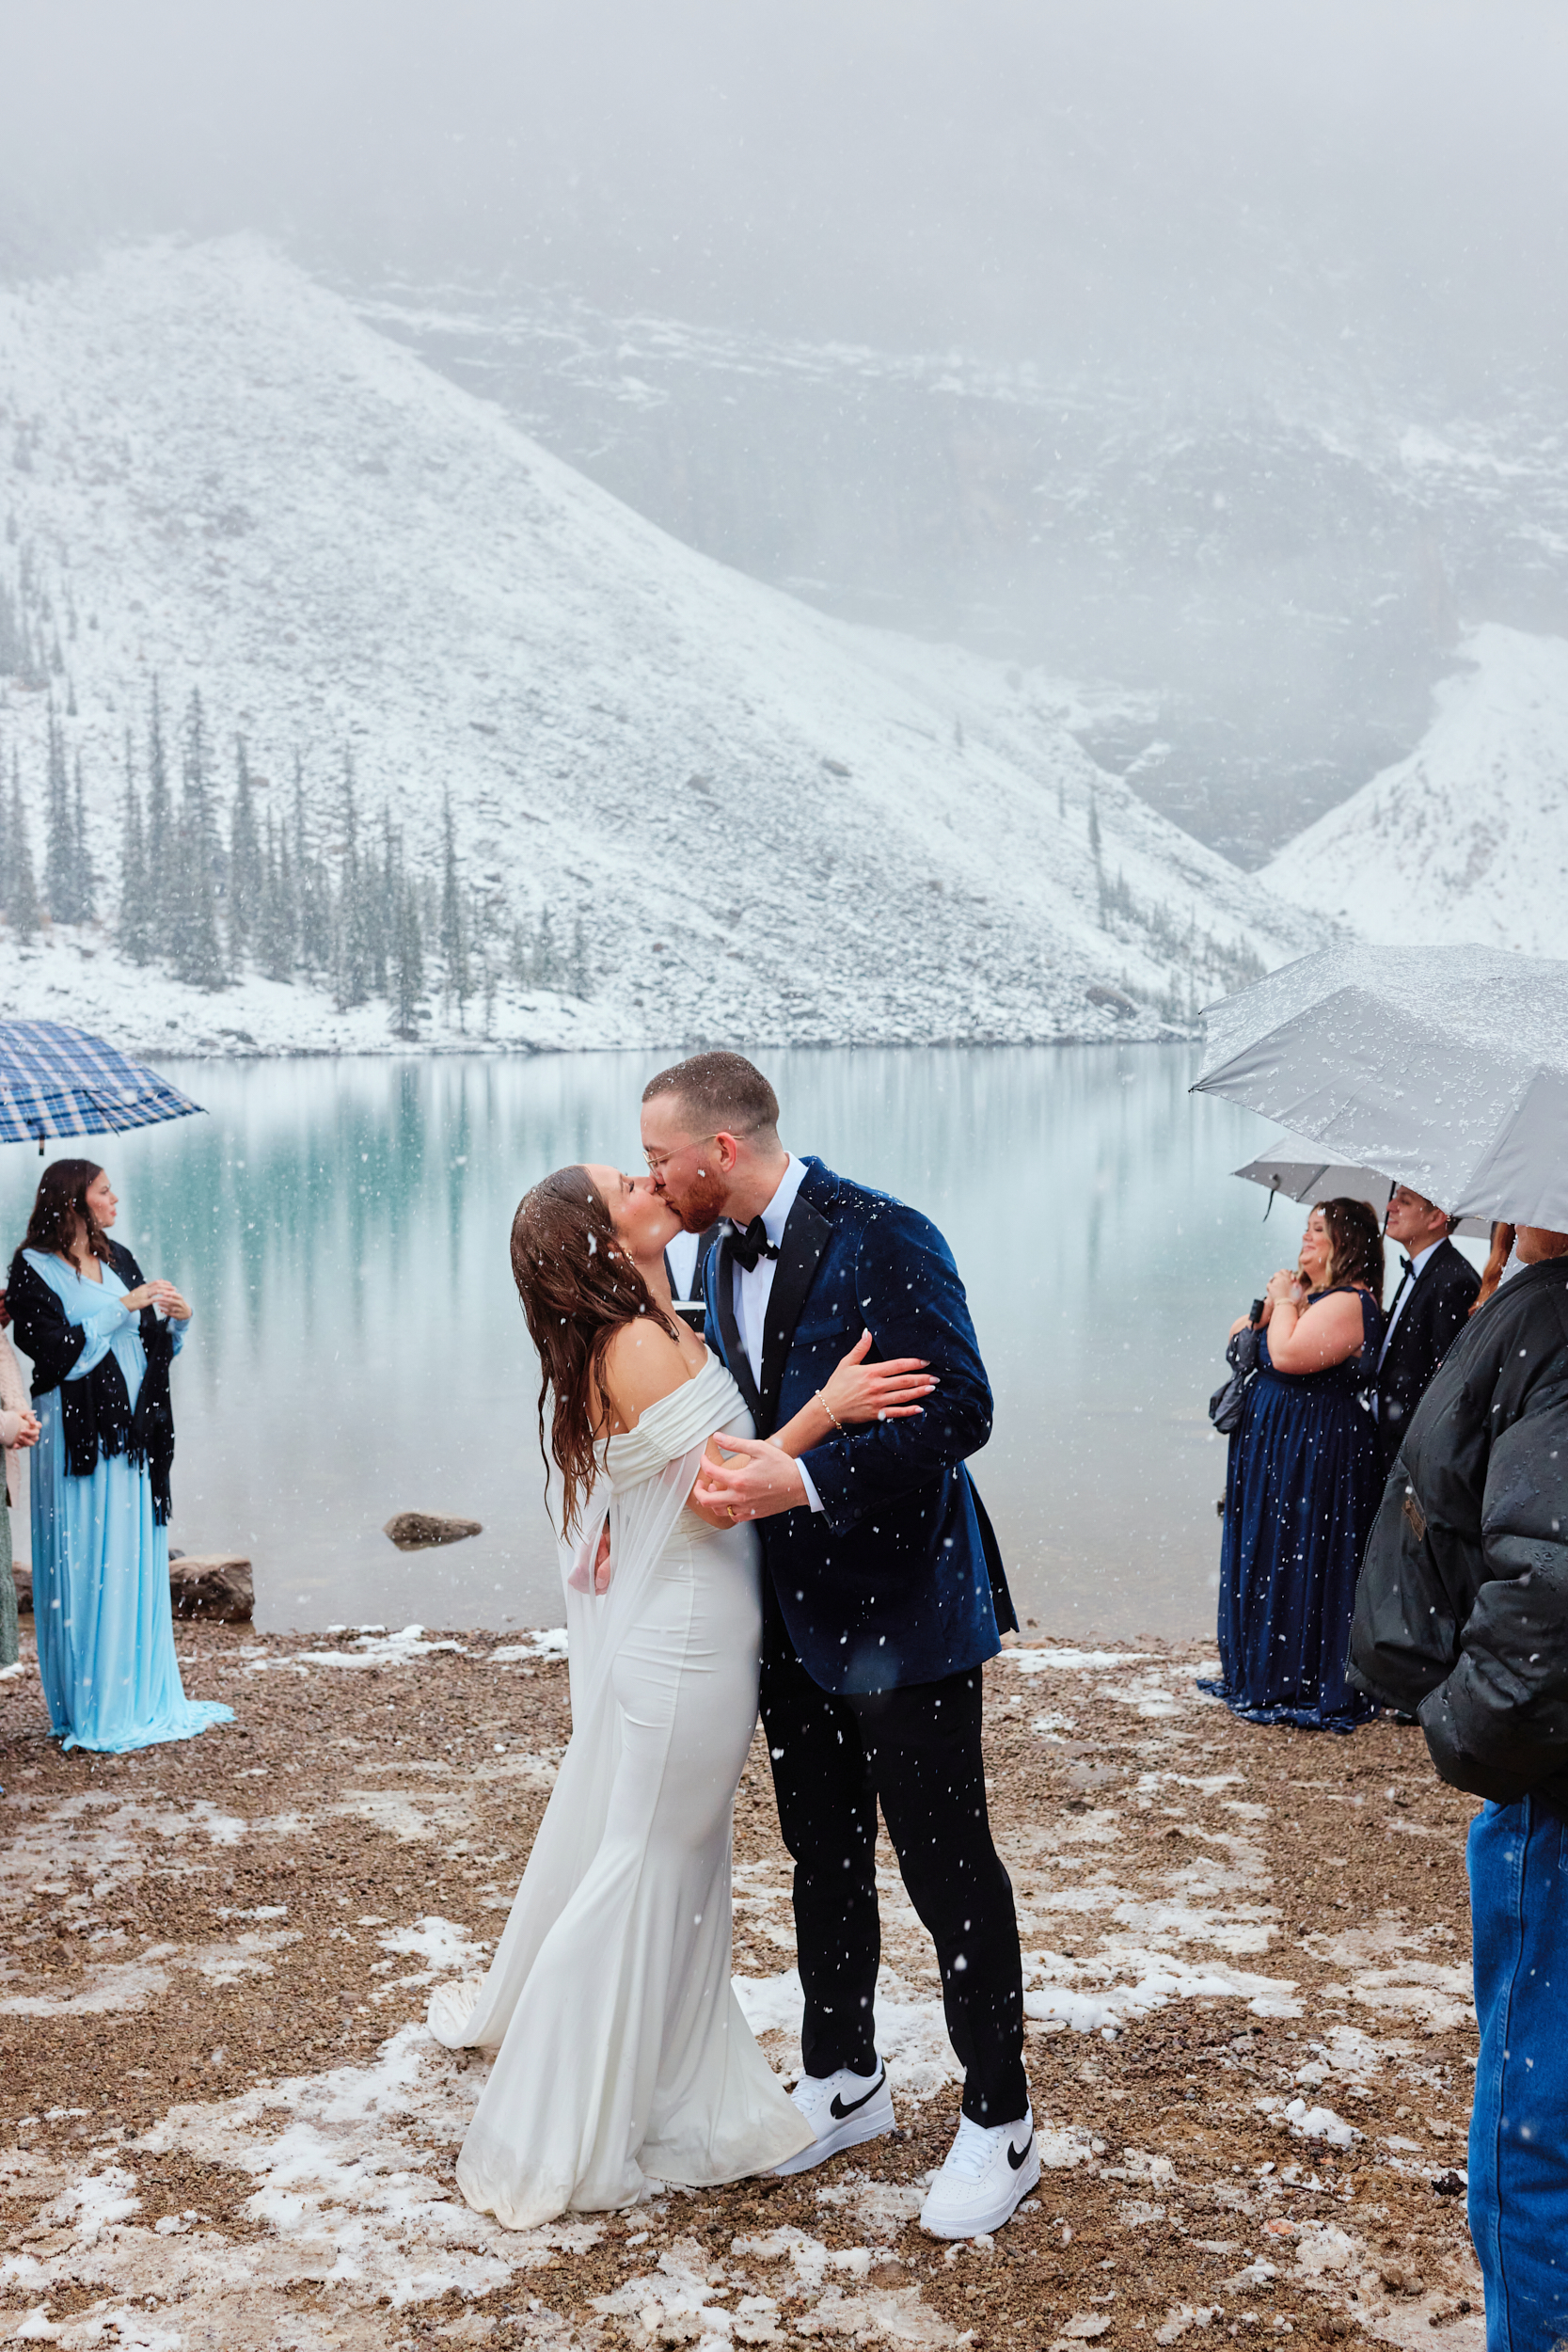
column 22, row 902
column 59, row 837
column 545, row 959
column 355, row 958
column 383, row 894
column 135, row 933
column 244, row 862
column 454, row 929
column 313, row 891
column 1095, row 853
column 276, row 920
column 6, row 855
column 197, row 948
column 286, row 921
column 163, row 844
column 579, row 959
column 406, row 966
column 87, row 894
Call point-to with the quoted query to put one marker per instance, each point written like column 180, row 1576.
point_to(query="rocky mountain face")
column 1467, row 838
column 1274, row 580
column 397, row 628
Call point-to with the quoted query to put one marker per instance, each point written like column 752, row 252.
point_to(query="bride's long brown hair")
column 577, row 1287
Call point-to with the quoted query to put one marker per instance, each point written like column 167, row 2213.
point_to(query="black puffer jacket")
column 1462, row 1611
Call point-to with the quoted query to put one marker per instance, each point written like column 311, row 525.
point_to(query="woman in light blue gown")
column 102, row 1341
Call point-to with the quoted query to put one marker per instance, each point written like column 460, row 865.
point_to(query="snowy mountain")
column 1467, row 839
column 765, row 823
column 1268, row 559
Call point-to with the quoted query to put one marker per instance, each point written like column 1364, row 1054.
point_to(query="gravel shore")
column 1251, row 2043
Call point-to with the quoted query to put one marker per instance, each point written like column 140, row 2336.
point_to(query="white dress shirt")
column 1404, row 1300
column 682, row 1254
column 754, row 1287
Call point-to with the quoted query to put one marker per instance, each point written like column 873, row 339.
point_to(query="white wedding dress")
column 622, row 2054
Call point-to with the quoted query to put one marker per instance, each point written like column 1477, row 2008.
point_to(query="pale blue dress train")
column 100, row 1598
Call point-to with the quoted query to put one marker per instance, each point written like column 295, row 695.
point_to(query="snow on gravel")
column 1247, row 2053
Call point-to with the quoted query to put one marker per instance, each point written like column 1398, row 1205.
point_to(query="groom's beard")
column 701, row 1205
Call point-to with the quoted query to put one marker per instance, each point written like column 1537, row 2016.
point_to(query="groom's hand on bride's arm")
column 757, row 1481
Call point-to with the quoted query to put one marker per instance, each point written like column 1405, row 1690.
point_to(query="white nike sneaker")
column 986, row 2174
column 842, row 2109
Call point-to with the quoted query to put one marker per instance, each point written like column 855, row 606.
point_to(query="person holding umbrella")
column 1436, row 1290
column 1462, row 1620
column 102, row 1341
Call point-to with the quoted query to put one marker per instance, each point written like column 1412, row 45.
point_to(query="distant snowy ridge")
column 1467, row 838
column 772, row 826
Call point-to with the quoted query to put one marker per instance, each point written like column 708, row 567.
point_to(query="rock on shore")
column 417, row 1530
column 217, row 1585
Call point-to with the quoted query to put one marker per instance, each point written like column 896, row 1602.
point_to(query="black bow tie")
column 1409, row 1265
column 752, row 1244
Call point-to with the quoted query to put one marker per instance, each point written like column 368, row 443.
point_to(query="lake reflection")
column 358, row 1349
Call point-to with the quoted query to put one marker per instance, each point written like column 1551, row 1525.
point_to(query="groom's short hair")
column 722, row 1090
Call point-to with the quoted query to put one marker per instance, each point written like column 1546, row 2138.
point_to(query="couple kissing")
column 782, row 1519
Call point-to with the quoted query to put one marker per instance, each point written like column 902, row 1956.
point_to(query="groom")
column 880, row 1605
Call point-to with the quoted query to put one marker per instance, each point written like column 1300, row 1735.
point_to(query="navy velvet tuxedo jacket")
column 892, row 1583
column 1435, row 1310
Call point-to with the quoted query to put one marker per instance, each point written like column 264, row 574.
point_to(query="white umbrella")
column 1321, row 1180
column 1445, row 1069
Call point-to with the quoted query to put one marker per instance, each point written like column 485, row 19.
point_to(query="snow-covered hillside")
column 1467, row 839
column 771, row 825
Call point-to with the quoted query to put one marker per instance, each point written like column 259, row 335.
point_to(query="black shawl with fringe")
column 95, row 1412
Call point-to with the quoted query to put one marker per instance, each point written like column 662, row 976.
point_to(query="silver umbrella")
column 1317, row 1179
column 1445, row 1069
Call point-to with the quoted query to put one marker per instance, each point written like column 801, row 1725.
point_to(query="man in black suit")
column 1430, row 1307
column 882, row 1600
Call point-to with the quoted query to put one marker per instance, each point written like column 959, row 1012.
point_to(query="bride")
column 622, row 2055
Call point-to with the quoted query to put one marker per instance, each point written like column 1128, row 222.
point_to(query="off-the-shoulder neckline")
column 670, row 1396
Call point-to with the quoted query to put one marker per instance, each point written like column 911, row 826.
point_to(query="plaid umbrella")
column 56, row 1081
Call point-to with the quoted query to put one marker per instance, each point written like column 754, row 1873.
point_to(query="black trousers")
column 917, row 1751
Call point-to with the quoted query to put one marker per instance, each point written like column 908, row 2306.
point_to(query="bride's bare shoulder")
column 642, row 1363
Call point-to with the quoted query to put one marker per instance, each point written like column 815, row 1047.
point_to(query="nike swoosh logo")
column 838, row 2110
column 1015, row 2157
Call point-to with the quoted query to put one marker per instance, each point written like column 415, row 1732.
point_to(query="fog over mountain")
column 1210, row 355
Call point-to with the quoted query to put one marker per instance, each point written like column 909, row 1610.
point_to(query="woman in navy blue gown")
column 1303, row 1484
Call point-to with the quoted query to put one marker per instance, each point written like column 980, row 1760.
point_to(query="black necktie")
column 1398, row 1294
column 752, row 1244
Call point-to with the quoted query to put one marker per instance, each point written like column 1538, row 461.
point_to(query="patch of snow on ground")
column 441, row 1944
column 549, row 1642
column 1044, row 1661
column 880, row 2208
column 369, row 1649
column 343, row 2167
column 1128, row 1984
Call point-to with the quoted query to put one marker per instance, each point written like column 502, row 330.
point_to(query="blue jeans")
column 1518, row 1863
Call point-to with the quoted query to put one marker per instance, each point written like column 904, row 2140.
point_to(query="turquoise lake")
column 341, row 1229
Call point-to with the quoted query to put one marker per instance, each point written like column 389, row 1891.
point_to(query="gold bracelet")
column 831, row 1415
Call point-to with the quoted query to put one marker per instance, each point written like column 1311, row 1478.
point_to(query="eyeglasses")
column 658, row 1161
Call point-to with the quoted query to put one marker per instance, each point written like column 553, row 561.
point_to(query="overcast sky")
column 1070, row 181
